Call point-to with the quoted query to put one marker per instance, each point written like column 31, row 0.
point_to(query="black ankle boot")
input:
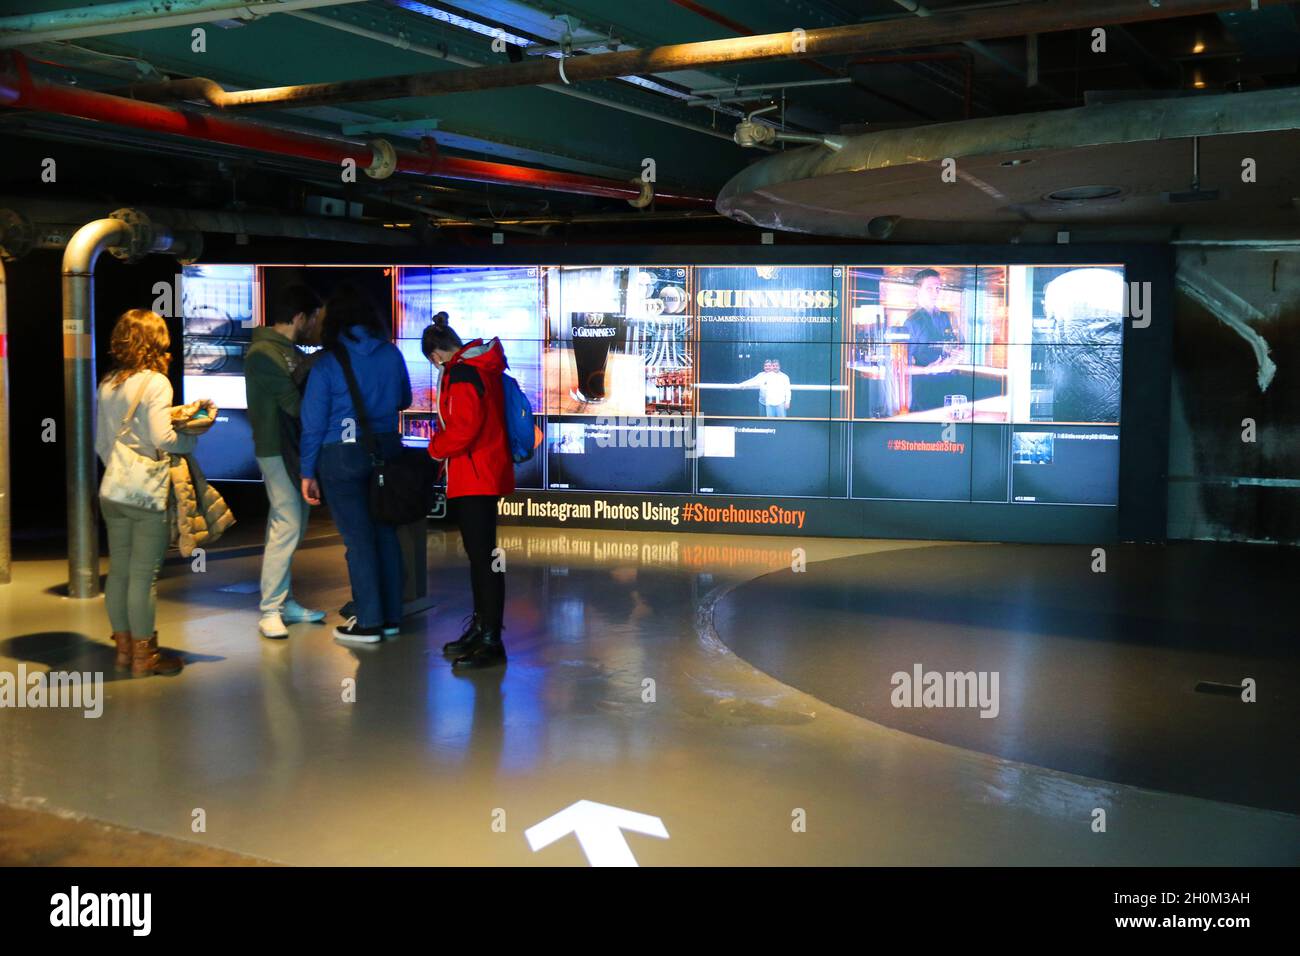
column 467, row 641
column 487, row 652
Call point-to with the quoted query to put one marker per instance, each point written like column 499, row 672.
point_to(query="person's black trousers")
column 477, row 517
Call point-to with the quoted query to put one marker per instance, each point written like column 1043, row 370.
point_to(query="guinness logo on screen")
column 767, row 299
column 591, row 325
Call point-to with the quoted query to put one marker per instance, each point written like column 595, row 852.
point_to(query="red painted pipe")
column 19, row 89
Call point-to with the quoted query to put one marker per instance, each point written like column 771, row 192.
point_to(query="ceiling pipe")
column 130, row 235
column 50, row 223
column 498, row 225
column 440, row 54
column 647, row 218
column 941, row 28
column 735, row 26
column 379, row 159
column 747, row 94
column 134, row 16
column 208, row 91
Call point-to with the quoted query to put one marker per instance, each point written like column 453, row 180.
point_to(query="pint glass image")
column 593, row 333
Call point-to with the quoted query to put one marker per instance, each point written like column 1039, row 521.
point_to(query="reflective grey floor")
column 1098, row 671
column 426, row 767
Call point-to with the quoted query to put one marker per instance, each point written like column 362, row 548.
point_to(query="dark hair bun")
column 442, row 319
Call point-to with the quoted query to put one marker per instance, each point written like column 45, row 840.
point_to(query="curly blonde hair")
column 140, row 343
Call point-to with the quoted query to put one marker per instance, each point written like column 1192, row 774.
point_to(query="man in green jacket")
column 268, row 376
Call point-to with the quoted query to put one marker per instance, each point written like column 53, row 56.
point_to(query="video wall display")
column 970, row 382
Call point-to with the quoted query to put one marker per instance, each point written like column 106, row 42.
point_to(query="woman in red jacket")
column 472, row 440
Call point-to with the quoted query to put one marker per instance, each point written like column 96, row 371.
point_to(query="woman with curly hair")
column 135, row 410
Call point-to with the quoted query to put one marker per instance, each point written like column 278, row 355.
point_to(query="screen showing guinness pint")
column 593, row 333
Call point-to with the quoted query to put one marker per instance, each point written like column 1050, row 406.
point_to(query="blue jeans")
column 373, row 553
column 774, row 411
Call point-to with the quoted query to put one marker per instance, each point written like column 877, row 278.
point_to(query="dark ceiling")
column 682, row 120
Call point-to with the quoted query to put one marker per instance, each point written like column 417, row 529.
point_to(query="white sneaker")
column 273, row 627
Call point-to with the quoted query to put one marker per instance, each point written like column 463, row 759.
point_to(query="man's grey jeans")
column 286, row 524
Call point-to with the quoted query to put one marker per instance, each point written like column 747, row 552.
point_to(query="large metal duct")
column 1114, row 163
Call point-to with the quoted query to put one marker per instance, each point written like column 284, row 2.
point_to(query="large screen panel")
column 954, row 383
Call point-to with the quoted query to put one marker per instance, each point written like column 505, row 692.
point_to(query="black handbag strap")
column 367, row 436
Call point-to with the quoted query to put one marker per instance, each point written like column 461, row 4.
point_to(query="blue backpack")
column 520, row 430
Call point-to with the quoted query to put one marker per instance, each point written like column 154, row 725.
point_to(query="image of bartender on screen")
column 929, row 329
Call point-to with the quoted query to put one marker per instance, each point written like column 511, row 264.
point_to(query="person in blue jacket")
column 334, row 455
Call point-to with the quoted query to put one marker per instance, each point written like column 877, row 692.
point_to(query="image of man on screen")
column 929, row 329
column 774, row 391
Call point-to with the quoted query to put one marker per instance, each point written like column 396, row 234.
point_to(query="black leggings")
column 477, row 517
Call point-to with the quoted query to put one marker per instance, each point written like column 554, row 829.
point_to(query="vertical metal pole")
column 79, row 260
column 6, row 511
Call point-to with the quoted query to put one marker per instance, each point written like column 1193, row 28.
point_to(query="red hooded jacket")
column 472, row 433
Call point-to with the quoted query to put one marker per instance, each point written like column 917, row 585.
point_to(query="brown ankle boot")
column 147, row 660
column 122, row 640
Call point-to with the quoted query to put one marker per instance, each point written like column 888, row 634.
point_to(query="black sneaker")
column 487, row 652
column 467, row 641
column 391, row 629
column 352, row 633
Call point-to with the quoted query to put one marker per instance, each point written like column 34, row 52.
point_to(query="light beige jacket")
column 201, row 514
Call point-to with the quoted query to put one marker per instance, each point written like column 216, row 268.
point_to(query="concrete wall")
column 1236, row 357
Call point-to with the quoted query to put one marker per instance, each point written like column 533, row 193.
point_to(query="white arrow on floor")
column 599, row 829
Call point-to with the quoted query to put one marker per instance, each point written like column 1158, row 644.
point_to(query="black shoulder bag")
column 401, row 489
